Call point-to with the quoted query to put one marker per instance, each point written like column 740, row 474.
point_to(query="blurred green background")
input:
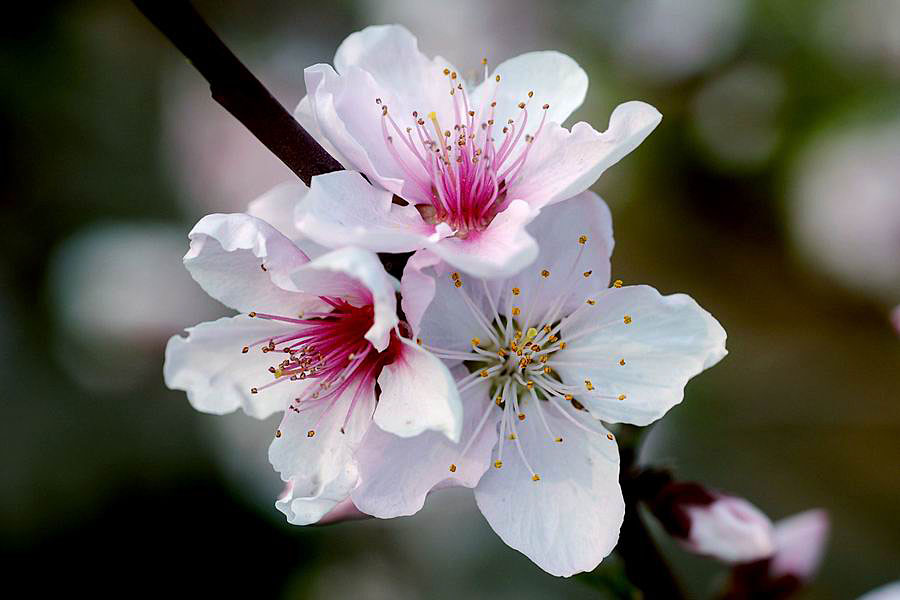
column 770, row 193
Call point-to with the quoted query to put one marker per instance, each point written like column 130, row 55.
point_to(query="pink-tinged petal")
column 396, row 474
column 417, row 288
column 568, row 520
column 208, row 364
column 555, row 79
column 563, row 164
column 729, row 529
column 245, row 263
column 500, row 250
column 278, row 207
column 306, row 116
column 418, row 394
column 891, row 591
column 343, row 511
column 358, row 277
column 320, row 469
column 800, row 544
column 581, row 269
column 343, row 209
column 442, row 315
column 638, row 349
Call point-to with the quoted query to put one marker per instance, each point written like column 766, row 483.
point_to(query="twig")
column 644, row 564
column 234, row 87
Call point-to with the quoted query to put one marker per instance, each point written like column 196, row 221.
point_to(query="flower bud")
column 706, row 522
column 799, row 544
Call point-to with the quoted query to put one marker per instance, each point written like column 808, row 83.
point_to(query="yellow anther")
column 484, row 373
column 245, row 349
column 562, row 345
column 587, row 274
column 588, row 385
column 277, row 373
column 627, row 319
column 518, row 335
column 529, row 384
column 251, row 314
column 512, row 436
column 497, row 79
column 419, row 341
column 453, row 468
column 278, row 433
column 582, row 239
column 453, row 75
column 484, row 61
column 498, row 464
column 569, row 397
column 516, row 311
column 622, row 362
column 545, row 273
column 591, row 301
column 547, row 329
column 432, row 116
column 535, row 348
column 521, row 416
column 446, row 71
column 311, row 433
column 516, row 291
column 610, row 437
column 558, row 440
column 457, row 283
column 454, row 276
column 521, row 105
column 548, row 370
column 552, row 339
column 530, row 94
column 476, row 341
column 621, row 396
column 535, row 477
column 498, row 401
column 617, row 283
column 531, row 334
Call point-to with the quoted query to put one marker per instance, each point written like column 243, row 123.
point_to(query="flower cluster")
column 511, row 356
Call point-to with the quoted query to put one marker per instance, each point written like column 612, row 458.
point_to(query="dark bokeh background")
column 770, row 193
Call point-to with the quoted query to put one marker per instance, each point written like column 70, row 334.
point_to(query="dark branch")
column 644, row 565
column 234, row 87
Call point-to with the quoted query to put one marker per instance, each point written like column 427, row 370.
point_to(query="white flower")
column 315, row 339
column 472, row 166
column 541, row 357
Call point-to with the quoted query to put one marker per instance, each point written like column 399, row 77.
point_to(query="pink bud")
column 799, row 545
column 729, row 529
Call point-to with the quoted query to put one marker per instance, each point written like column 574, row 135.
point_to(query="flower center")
column 328, row 347
column 518, row 356
column 461, row 175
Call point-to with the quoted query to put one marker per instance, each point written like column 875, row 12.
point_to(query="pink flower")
column 313, row 340
column 540, row 358
column 471, row 165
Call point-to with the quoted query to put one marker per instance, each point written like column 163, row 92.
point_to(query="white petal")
column 569, row 520
column 555, row 79
column 396, row 474
column 500, row 250
column 800, row 544
column 557, row 232
column 245, row 263
column 669, row 340
column 343, row 209
column 356, row 276
column 418, row 394
column 731, row 530
column 562, row 164
column 208, row 364
column 278, row 207
column 417, row 287
column 320, row 469
column 890, row 591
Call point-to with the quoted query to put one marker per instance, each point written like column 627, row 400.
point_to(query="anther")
column 627, row 319
column 278, row 433
column 610, row 437
column 516, row 291
column 521, row 105
column 530, row 94
column 589, row 385
column 516, row 311
column 453, row 468
column 484, row 373
column 621, row 396
column 622, row 362
column 446, row 71
column 263, row 267
column 545, row 273
column 587, row 274
column 530, row 385
column 497, row 79
column 457, row 283
column 617, row 283
column 591, row 301
column 251, row 314
column 254, row 391
column 582, row 239
column 546, row 106
column 535, row 477
column 476, row 341
column 245, row 350
column 498, row 464
column 558, row 440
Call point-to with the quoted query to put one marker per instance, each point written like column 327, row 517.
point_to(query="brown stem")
column 234, row 87
column 644, row 564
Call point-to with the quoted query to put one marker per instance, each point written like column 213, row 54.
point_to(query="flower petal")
column 417, row 287
column 418, row 394
column 208, row 364
column 562, row 164
column 648, row 360
column 581, row 269
column 569, row 520
column 278, row 207
column 244, row 263
column 356, row 276
column 343, row 209
column 800, row 544
column 320, row 469
column 386, row 490
column 500, row 250
column 306, row 116
column 555, row 79
column 729, row 529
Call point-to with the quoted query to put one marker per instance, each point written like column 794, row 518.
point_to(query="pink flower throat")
column 331, row 348
column 461, row 176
